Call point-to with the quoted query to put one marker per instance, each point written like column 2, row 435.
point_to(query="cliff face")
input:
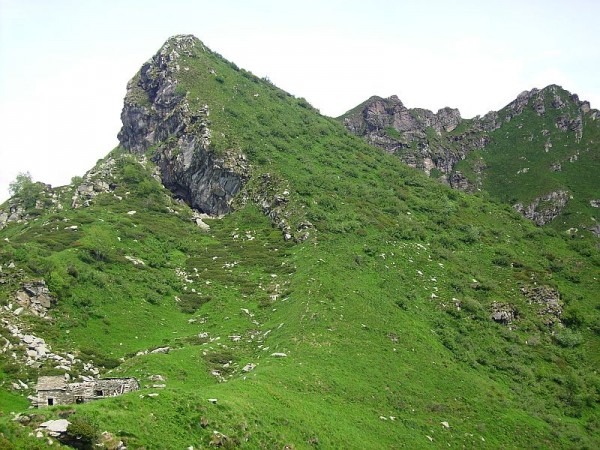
column 158, row 118
column 388, row 124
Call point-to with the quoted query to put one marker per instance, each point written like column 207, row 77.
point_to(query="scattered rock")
column 551, row 307
column 161, row 350
column 248, row 367
column 198, row 218
column 135, row 261
column 156, row 378
column 278, row 355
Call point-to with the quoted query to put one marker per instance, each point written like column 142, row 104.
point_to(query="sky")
column 64, row 64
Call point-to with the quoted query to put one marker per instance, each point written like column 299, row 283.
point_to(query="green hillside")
column 378, row 308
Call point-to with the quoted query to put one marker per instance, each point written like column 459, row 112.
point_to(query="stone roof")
column 51, row 383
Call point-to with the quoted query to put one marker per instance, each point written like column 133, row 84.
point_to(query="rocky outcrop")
column 273, row 196
column 17, row 210
column 503, row 313
column 408, row 133
column 458, row 181
column 99, row 180
column 158, row 114
column 544, row 209
column 378, row 114
column 548, row 301
column 14, row 213
column 35, row 298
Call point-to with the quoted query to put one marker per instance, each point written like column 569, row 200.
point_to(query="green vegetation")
column 28, row 191
column 384, row 313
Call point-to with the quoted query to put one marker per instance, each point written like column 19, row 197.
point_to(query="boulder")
column 161, row 350
column 503, row 313
column 55, row 427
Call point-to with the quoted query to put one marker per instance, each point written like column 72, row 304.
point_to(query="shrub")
column 501, row 260
column 568, row 338
column 470, row 305
column 190, row 302
column 82, row 432
column 572, row 316
column 24, row 188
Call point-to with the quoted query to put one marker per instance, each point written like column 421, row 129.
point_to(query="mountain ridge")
column 454, row 149
column 343, row 299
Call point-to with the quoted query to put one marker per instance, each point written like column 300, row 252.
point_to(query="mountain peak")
column 158, row 114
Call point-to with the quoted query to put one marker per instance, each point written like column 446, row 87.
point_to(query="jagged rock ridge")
column 437, row 142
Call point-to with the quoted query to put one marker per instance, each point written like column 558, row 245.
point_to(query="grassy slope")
column 365, row 311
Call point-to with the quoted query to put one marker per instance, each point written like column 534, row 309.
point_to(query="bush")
column 24, row 188
column 189, row 303
column 568, row 338
column 472, row 306
column 82, row 432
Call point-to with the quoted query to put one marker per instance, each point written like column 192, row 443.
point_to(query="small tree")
column 82, row 432
column 24, row 188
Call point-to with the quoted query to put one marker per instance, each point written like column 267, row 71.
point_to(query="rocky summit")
column 243, row 272
column 157, row 113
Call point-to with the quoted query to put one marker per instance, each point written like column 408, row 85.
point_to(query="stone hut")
column 54, row 390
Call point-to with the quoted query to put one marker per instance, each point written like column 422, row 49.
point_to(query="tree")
column 24, row 188
column 22, row 181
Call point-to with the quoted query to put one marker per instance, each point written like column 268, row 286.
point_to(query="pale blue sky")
column 64, row 64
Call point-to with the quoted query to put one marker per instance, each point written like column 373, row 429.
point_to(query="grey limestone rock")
column 388, row 124
column 35, row 296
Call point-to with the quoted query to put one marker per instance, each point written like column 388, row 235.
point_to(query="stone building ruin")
column 54, row 390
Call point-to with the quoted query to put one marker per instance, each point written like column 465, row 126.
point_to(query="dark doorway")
column 50, row 401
